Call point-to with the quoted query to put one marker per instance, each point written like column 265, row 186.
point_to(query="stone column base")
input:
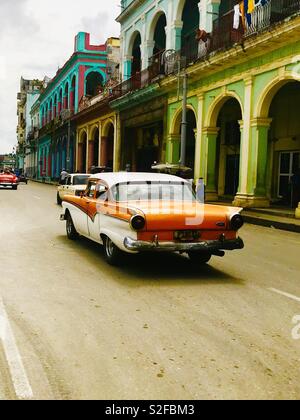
column 298, row 212
column 250, row 201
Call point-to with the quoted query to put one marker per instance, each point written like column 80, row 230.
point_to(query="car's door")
column 82, row 212
column 95, row 209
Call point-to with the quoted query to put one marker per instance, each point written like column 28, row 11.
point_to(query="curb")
column 289, row 227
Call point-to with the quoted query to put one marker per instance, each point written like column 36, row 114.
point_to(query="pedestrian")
column 63, row 176
column 296, row 188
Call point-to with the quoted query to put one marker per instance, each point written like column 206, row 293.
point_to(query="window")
column 91, row 189
column 101, row 193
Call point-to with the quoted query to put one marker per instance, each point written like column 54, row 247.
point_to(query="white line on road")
column 18, row 374
column 288, row 295
column 36, row 197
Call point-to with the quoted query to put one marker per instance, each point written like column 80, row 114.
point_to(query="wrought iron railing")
column 223, row 36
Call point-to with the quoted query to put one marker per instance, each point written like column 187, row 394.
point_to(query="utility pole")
column 184, row 121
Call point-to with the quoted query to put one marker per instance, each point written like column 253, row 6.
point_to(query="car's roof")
column 113, row 178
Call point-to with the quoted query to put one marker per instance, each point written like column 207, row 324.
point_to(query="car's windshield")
column 80, row 180
column 144, row 191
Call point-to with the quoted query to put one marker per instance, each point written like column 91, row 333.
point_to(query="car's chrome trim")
column 210, row 246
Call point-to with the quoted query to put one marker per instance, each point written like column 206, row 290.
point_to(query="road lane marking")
column 288, row 295
column 36, row 197
column 17, row 371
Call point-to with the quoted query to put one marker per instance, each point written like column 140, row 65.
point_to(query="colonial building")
column 29, row 92
column 242, row 61
column 82, row 77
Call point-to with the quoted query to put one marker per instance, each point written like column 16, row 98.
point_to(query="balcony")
column 223, row 37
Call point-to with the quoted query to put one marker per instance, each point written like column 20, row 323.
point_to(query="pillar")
column 72, row 96
column 58, row 108
column 127, row 67
column 148, row 49
column 200, row 149
column 209, row 11
column 104, row 141
column 176, row 30
column 253, row 192
column 210, row 138
column 173, row 148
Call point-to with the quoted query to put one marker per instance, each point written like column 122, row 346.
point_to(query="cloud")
column 37, row 37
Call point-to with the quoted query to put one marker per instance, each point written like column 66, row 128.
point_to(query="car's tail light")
column 236, row 222
column 138, row 222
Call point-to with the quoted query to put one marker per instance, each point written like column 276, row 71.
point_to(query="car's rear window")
column 80, row 180
column 144, row 191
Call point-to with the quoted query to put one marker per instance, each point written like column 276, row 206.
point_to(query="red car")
column 7, row 179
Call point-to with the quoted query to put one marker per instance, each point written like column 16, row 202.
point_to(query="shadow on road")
column 166, row 268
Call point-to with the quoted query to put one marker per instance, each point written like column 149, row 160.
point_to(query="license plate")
column 187, row 235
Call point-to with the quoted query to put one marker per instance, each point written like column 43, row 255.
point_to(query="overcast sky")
column 37, row 37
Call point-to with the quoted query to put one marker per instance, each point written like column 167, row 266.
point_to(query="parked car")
column 9, row 179
column 136, row 212
column 23, row 178
column 74, row 184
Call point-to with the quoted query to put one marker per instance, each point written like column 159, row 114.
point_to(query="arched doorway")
column 190, row 139
column 95, row 154
column 94, row 83
column 283, row 162
column 190, row 19
column 160, row 36
column 228, row 149
column 224, row 149
column 82, row 152
column 136, row 55
column 107, row 145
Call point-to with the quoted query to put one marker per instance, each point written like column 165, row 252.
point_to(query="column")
column 148, row 48
column 79, row 157
column 118, row 147
column 209, row 11
column 127, row 67
column 261, row 131
column 173, row 148
column 72, row 96
column 58, row 108
column 176, row 30
column 200, row 149
column 210, row 138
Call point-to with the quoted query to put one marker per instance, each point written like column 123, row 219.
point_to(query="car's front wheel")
column 200, row 257
column 59, row 200
column 71, row 231
column 113, row 255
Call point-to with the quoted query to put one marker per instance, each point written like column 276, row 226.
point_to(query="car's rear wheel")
column 200, row 258
column 113, row 255
column 14, row 187
column 71, row 231
column 59, row 200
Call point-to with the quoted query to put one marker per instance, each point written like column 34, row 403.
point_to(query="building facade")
column 243, row 72
column 29, row 92
column 84, row 76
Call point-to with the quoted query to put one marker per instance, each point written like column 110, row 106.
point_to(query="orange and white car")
column 140, row 212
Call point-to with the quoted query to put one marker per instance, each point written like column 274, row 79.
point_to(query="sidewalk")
column 273, row 218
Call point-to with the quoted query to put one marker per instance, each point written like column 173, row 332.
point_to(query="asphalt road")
column 72, row 327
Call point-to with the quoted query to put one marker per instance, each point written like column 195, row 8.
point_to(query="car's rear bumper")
column 208, row 246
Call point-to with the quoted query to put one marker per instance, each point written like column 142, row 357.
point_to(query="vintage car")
column 140, row 212
column 74, row 184
column 9, row 179
column 23, row 178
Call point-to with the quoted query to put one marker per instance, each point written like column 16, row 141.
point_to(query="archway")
column 224, row 148
column 82, row 152
column 136, row 55
column 190, row 139
column 94, row 149
column 107, row 145
column 66, row 96
column 159, row 36
column 283, row 144
column 190, row 19
column 94, row 82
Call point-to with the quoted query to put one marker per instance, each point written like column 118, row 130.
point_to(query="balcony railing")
column 223, row 36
